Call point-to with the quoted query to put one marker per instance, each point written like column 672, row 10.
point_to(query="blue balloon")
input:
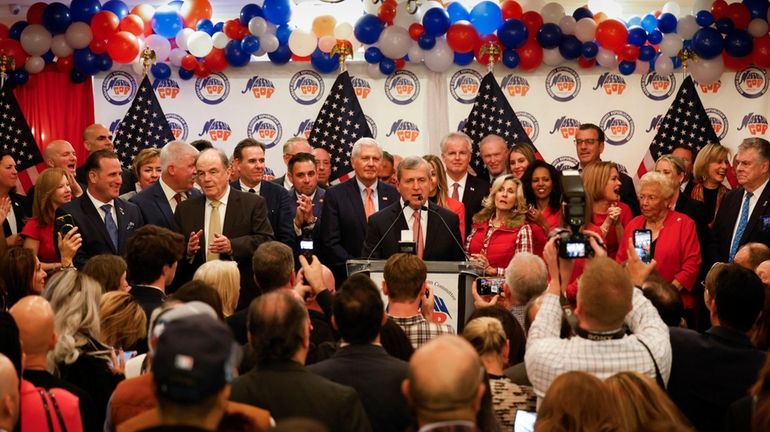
column 235, row 55
column 368, row 29
column 282, row 33
column 463, row 59
column 570, row 47
column 510, row 58
column 636, row 36
column 48, row 57
column 549, row 35
column 250, row 44
column 250, row 11
column 277, row 11
column 218, row 27
column 486, row 17
column 76, row 76
column 426, row 42
column 205, row 25
column 655, row 36
column 117, row 7
column 758, row 8
column 667, row 23
column 725, row 25
column 457, row 12
column 104, row 62
column 627, row 67
column 582, row 12
column 15, row 31
column 324, row 62
column 704, row 18
column 18, row 77
column 513, row 33
column 167, row 22
column 707, row 43
column 435, row 21
column 160, row 71
column 589, row 50
column 373, row 55
column 185, row 74
column 83, row 10
column 280, row 56
column 646, row 53
column 387, row 66
column 85, row 61
column 739, row 43
column 57, row 17
column 649, row 23
column 634, row 20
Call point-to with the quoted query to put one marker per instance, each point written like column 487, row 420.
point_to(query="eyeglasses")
column 586, row 141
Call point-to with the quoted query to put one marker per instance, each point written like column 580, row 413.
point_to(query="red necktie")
column 417, row 234
column 369, row 204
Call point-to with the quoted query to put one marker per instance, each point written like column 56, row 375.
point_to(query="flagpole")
column 6, row 62
column 148, row 56
column 685, row 56
column 343, row 49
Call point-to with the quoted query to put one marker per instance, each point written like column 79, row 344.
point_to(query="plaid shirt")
column 420, row 331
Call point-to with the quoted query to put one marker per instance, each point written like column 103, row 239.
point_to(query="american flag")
column 17, row 139
column 143, row 126
column 339, row 124
column 492, row 114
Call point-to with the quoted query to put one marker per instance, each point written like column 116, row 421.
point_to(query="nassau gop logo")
column 710, row 88
column 618, row 127
column 306, row 87
column 718, row 121
column 658, row 87
column 166, row 88
column 756, row 124
column 529, row 124
column 612, row 84
column 567, row 127
column 178, row 126
column 405, row 131
column 259, row 87
column 372, row 125
column 266, row 129
column 562, row 84
column 514, row 85
column 402, row 88
column 304, row 128
column 119, row 88
column 751, row 82
column 563, row 163
column 654, row 123
column 213, row 89
column 216, row 130
column 464, row 85
column 361, row 87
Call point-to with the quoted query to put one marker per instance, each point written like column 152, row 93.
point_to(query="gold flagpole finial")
column 493, row 51
column 148, row 58
column 6, row 63
column 343, row 49
column 685, row 56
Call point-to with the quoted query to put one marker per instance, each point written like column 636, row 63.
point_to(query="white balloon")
column 664, row 66
column 606, row 58
column 552, row 13
column 326, row 43
column 699, row 5
column 416, row 54
column 79, row 35
column 175, row 58
column 220, row 40
column 440, row 57
column 268, row 42
column 257, row 26
column 642, row 67
column 687, row 26
column 707, row 71
column 34, row 64
column 373, row 70
column 60, row 47
column 672, row 8
column 567, row 25
column 302, row 43
column 36, row 40
column 403, row 17
column 671, row 44
column 271, row 28
column 344, row 31
column 552, row 57
column 531, row 5
column 138, row 68
column 394, row 42
column 181, row 37
column 371, row 7
column 585, row 30
column 160, row 45
column 758, row 27
column 199, row 44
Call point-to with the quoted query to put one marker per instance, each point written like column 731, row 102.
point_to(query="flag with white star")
column 492, row 114
column 339, row 124
column 143, row 126
column 17, row 139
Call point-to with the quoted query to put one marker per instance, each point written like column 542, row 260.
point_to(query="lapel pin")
column 384, row 198
column 473, row 189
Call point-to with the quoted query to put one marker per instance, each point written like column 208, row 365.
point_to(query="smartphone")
column 524, row 421
column 306, row 249
column 64, row 224
column 642, row 244
column 128, row 355
column 489, row 286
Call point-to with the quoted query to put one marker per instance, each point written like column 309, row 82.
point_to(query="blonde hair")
column 604, row 292
column 123, row 321
column 143, row 158
column 441, row 186
column 46, row 184
column 565, row 407
column 709, row 153
column 596, row 175
column 656, row 178
column 525, row 149
column 517, row 215
column 640, row 401
column 224, row 277
column 486, row 334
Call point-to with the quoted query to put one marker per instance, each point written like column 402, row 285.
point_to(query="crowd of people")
column 194, row 291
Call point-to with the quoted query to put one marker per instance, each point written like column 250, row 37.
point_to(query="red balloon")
column 3, row 31
column 462, row 37
column 600, row 17
column 387, row 11
column 611, row 34
column 132, row 24
column 530, row 55
column 194, row 10
column 65, row 64
column 511, row 9
column 734, row 63
column 629, row 52
column 215, row 61
column 586, row 63
column 189, row 62
column 104, row 24
column 533, row 21
column 98, row 46
column 719, row 9
column 761, row 52
column 416, row 30
column 12, row 48
column 480, row 42
column 35, row 13
column 201, row 70
column 123, row 47
column 232, row 28
column 145, row 12
column 296, row 58
column 400, row 63
column 739, row 13
column 244, row 31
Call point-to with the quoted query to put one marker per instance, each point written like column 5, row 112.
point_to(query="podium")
column 451, row 282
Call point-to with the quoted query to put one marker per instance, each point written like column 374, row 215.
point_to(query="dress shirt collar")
column 167, row 191
column 98, row 204
column 246, row 188
column 222, row 200
column 758, row 191
column 362, row 187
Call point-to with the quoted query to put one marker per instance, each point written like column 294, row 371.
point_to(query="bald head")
column 61, row 154
column 97, row 137
column 34, row 316
column 9, row 394
column 763, row 271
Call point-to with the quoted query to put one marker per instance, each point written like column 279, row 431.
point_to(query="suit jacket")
column 288, row 389
column 278, row 201
column 155, row 208
column 91, row 227
column 628, row 194
column 245, row 225
column 318, row 206
column 148, row 298
column 129, row 180
column 757, row 230
column 279, row 180
column 439, row 244
column 22, row 209
column 343, row 223
column 377, row 377
column 476, row 190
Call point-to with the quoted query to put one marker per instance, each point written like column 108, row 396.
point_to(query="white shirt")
column 11, row 218
column 256, row 188
column 207, row 217
column 460, row 190
column 169, row 193
column 375, row 197
column 286, row 183
column 409, row 215
column 752, row 203
column 98, row 204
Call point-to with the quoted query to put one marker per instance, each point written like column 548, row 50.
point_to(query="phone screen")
column 524, row 421
column 643, row 244
column 489, row 286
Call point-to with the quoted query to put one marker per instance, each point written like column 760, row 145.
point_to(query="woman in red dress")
column 601, row 181
column 544, row 194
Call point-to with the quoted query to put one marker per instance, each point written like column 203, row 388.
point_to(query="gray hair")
column 411, row 163
column 364, row 142
column 492, row 137
column 761, row 145
column 654, row 177
column 174, row 150
column 219, row 152
column 456, row 135
column 289, row 142
column 526, row 276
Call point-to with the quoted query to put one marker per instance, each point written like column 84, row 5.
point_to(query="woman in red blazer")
column 438, row 190
column 500, row 229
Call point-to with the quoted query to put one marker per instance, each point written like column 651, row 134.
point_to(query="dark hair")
column 94, row 160
column 388, row 157
column 245, row 143
column 17, row 270
column 10, row 341
column 395, row 341
column 591, row 126
column 272, row 264
column 106, row 269
column 557, row 193
column 513, row 331
column 358, row 310
column 683, row 146
column 151, row 248
column 276, row 323
column 202, row 144
column 665, row 298
column 739, row 296
column 197, row 290
column 300, row 157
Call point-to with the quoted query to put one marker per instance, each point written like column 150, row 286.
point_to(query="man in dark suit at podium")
column 456, row 153
column 434, row 230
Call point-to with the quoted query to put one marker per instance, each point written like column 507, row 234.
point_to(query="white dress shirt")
column 169, row 193
column 98, row 204
column 256, row 188
column 207, row 217
column 460, row 190
column 409, row 215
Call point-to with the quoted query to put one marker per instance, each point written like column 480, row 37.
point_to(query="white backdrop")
column 412, row 110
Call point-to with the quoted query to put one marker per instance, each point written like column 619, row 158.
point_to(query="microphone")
column 385, row 234
column 457, row 242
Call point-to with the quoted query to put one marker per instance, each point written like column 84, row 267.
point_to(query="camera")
column 572, row 243
column 489, row 286
column 306, row 246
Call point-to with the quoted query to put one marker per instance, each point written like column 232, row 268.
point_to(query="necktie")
column 417, row 233
column 456, row 191
column 178, row 198
column 742, row 222
column 369, row 204
column 109, row 223
column 215, row 227
column 252, row 190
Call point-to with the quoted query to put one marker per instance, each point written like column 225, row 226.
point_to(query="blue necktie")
column 109, row 223
column 742, row 222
